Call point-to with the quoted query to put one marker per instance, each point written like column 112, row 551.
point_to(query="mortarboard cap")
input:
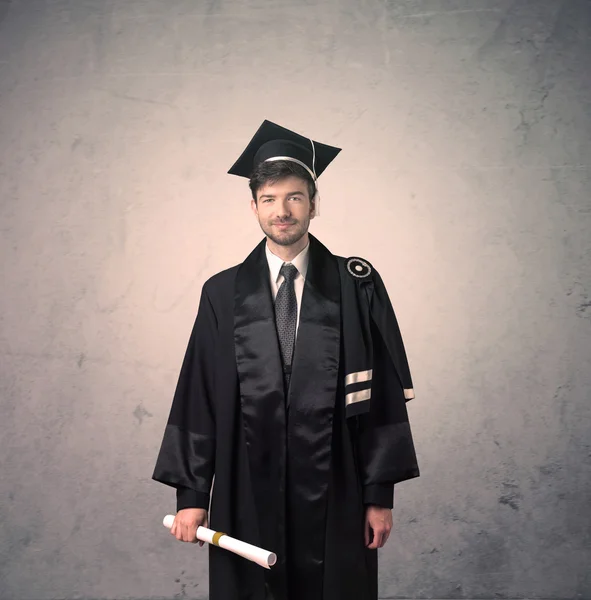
column 273, row 142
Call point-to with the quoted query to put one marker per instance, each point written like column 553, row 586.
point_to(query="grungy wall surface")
column 464, row 177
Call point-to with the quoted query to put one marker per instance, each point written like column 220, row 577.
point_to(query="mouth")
column 283, row 225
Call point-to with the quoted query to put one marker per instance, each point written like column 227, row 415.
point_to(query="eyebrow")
column 290, row 194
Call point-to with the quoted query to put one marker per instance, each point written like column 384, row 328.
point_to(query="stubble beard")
column 287, row 238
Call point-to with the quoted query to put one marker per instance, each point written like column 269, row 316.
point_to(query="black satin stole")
column 289, row 488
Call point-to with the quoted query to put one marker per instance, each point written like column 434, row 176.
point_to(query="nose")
column 283, row 209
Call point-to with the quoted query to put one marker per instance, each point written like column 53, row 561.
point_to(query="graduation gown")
column 292, row 474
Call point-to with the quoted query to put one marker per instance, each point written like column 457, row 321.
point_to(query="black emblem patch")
column 359, row 268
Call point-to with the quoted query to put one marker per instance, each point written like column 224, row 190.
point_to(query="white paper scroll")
column 261, row 557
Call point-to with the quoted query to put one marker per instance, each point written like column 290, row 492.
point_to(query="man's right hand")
column 185, row 524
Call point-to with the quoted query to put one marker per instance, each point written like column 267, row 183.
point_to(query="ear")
column 313, row 208
column 254, row 207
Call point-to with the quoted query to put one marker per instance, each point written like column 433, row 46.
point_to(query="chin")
column 287, row 238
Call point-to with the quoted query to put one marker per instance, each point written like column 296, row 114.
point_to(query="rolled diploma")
column 261, row 557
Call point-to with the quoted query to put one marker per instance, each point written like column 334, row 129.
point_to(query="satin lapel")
column 262, row 397
column 312, row 396
column 316, row 356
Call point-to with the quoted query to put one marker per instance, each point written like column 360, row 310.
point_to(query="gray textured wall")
column 466, row 128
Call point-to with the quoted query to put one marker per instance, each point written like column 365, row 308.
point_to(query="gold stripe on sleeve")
column 358, row 377
column 357, row 396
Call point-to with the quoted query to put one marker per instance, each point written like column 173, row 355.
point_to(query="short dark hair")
column 275, row 170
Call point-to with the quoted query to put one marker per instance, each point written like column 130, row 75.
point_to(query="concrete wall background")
column 466, row 128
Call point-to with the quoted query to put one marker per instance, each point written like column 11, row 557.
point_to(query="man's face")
column 284, row 210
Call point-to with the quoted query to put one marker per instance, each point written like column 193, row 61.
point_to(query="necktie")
column 285, row 318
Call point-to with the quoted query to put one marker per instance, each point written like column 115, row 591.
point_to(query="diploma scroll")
column 261, row 557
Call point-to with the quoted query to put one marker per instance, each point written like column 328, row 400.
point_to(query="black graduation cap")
column 272, row 141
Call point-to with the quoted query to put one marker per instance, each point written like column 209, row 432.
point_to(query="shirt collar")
column 300, row 262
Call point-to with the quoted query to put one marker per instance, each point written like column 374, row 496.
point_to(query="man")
column 293, row 394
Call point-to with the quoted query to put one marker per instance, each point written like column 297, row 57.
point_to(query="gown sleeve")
column 187, row 454
column 385, row 445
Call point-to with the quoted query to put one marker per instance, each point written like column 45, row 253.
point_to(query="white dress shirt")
column 300, row 262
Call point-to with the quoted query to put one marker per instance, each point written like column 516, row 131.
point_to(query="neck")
column 288, row 253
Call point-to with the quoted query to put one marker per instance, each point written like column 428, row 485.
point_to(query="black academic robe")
column 292, row 475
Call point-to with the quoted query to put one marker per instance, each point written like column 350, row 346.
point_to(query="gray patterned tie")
column 286, row 311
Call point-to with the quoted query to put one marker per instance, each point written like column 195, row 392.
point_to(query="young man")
column 293, row 394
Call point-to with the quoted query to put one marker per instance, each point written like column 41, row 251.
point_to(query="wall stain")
column 77, row 525
column 509, row 500
column 582, row 309
column 583, row 306
column 140, row 412
column 550, row 469
column 561, row 398
column 182, row 580
column 511, row 497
